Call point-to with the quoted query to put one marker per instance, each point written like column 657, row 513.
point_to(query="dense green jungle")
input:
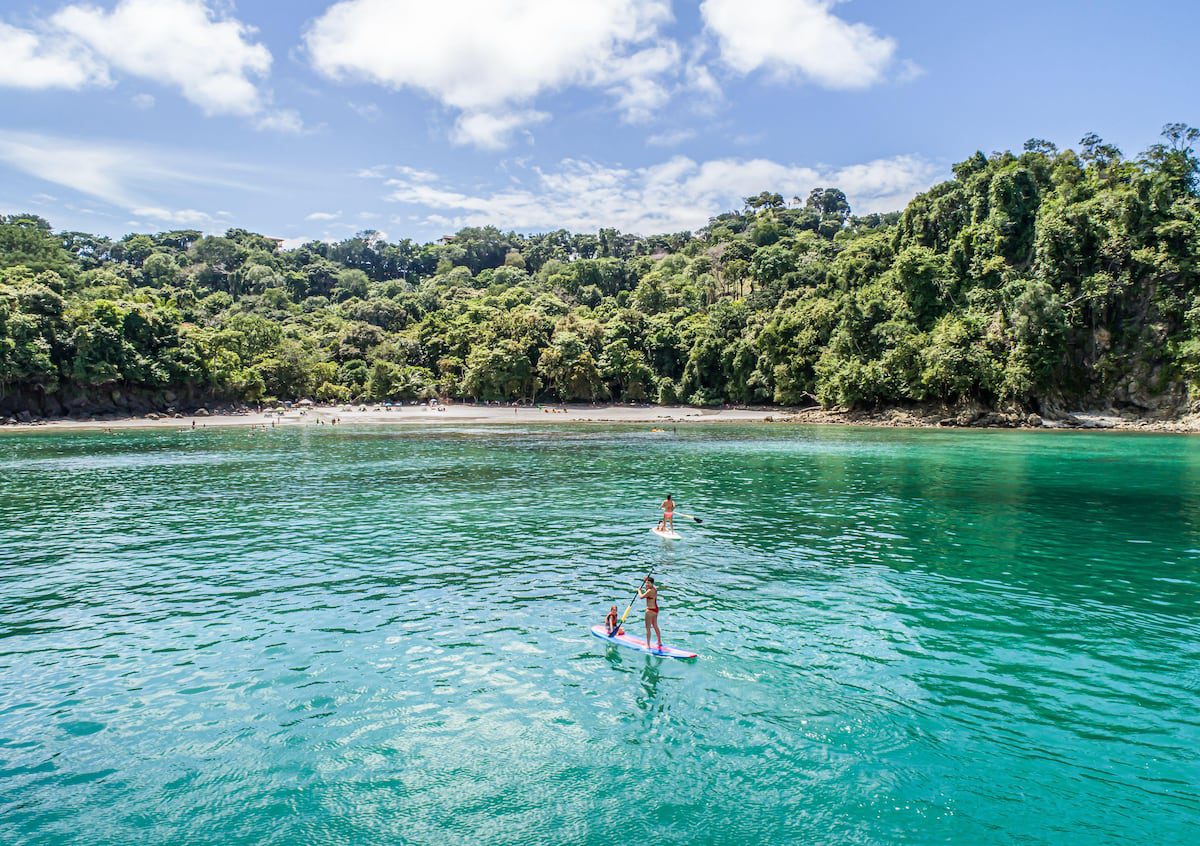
column 1031, row 281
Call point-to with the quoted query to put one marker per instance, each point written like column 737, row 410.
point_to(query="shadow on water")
column 651, row 676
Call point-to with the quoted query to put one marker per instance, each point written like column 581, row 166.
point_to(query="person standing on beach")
column 668, row 509
column 650, row 593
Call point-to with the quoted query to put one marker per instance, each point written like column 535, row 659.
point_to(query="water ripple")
column 380, row 635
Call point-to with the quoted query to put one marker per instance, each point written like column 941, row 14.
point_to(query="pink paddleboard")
column 641, row 645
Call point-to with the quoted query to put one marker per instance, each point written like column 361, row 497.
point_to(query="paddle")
column 636, row 593
column 688, row 516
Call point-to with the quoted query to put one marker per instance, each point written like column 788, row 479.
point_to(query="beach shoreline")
column 656, row 416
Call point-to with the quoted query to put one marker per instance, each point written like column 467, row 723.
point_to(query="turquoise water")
column 380, row 635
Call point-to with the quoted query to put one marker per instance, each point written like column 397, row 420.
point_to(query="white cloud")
column 177, row 217
column 749, row 139
column 701, row 80
column 489, row 60
column 36, row 61
column 211, row 60
column 886, row 184
column 671, row 137
column 636, row 81
column 416, row 174
column 95, row 170
column 409, row 174
column 324, row 216
column 367, row 111
column 803, row 38
column 671, row 196
column 909, row 71
column 281, row 120
column 492, row 131
column 128, row 177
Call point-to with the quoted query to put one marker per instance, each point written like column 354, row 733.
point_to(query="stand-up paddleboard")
column 641, row 645
column 667, row 534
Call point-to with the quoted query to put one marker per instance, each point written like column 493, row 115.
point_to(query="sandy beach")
column 375, row 414
column 465, row 413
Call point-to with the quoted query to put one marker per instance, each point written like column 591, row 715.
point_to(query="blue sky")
column 315, row 119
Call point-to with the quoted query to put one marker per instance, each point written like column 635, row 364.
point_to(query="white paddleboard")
column 640, row 645
column 667, row 534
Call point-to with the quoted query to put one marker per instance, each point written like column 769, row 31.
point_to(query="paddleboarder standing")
column 650, row 593
column 668, row 509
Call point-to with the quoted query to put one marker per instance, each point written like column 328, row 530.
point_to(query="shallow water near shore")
column 380, row 635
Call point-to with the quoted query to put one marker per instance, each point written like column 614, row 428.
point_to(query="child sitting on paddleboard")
column 612, row 624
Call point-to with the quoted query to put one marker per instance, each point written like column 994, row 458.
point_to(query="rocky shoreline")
column 982, row 419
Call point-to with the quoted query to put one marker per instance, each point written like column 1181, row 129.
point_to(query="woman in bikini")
column 650, row 593
column 668, row 509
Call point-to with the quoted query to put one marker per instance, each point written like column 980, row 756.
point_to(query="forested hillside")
column 1032, row 281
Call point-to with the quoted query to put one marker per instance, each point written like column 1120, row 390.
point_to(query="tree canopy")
column 1030, row 278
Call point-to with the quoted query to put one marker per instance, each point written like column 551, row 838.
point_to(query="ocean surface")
column 381, row 636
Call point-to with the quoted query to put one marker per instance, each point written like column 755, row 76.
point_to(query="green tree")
column 26, row 240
